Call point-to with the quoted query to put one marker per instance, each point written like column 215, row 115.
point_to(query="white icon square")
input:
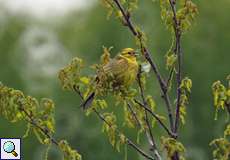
column 10, row 149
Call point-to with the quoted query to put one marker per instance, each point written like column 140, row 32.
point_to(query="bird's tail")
column 87, row 103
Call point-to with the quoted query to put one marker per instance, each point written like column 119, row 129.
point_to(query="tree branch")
column 169, row 78
column 179, row 68
column 134, row 115
column 148, row 57
column 228, row 107
column 149, row 137
column 128, row 141
column 149, row 133
column 178, row 51
column 171, row 134
column 34, row 123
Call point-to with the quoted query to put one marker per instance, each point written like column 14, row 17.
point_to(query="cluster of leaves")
column 177, row 22
column 69, row 153
column 166, row 14
column 15, row 107
column 116, row 138
column 222, row 146
column 185, row 14
column 70, row 75
column 185, row 87
column 110, row 127
column 221, row 95
column 129, row 4
column 172, row 146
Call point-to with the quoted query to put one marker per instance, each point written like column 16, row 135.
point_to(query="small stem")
column 76, row 89
column 179, row 54
column 126, row 17
column 169, row 78
column 33, row 122
column 128, row 141
column 134, row 115
column 179, row 77
column 228, row 107
column 148, row 135
column 157, row 118
column 149, row 132
column 179, row 68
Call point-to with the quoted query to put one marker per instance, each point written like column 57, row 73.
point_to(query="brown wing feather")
column 116, row 66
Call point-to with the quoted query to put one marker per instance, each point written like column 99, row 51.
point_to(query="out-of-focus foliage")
column 39, row 116
column 221, row 95
column 222, row 146
column 222, row 101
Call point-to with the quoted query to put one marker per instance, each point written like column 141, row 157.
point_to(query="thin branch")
column 228, row 107
column 77, row 90
column 134, row 115
column 126, row 17
column 149, row 133
column 148, row 57
column 157, row 118
column 178, row 51
column 34, row 123
column 128, row 141
column 169, row 78
column 179, row 77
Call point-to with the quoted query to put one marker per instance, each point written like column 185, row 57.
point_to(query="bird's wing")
column 116, row 66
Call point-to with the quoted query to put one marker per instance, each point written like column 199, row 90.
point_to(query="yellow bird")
column 124, row 69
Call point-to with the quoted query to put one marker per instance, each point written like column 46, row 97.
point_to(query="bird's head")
column 129, row 53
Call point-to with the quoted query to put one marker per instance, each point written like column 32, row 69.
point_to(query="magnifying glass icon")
column 9, row 147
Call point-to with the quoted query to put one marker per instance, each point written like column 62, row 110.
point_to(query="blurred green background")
column 32, row 50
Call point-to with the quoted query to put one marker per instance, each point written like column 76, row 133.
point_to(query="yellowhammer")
column 121, row 70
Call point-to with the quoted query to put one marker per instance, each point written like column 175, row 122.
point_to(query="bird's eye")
column 129, row 53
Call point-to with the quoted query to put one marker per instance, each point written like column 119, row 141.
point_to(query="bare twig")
column 179, row 68
column 149, row 133
column 148, row 57
column 228, row 107
column 157, row 118
column 178, row 51
column 77, row 90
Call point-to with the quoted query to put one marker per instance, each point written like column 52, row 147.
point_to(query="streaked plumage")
column 123, row 67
